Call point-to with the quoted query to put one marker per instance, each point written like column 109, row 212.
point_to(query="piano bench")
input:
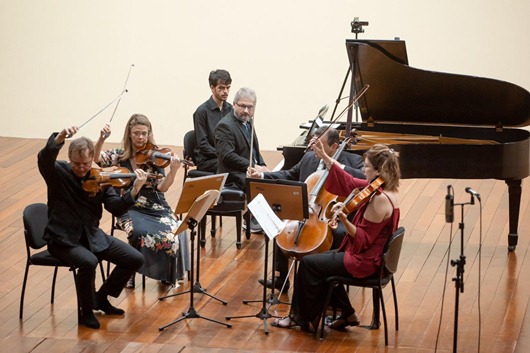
column 232, row 203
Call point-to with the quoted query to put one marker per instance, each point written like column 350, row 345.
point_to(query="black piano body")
column 406, row 100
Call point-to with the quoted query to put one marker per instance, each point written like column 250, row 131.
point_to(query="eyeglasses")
column 140, row 133
column 244, row 106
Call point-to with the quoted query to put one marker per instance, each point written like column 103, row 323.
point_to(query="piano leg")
column 514, row 203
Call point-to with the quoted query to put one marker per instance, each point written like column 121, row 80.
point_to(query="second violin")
column 160, row 157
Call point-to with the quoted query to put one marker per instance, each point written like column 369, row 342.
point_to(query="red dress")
column 362, row 256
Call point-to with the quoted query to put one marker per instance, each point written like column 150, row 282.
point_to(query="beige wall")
column 63, row 60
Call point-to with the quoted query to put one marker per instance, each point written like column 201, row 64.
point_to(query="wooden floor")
column 232, row 274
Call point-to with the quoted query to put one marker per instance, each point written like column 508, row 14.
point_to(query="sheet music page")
column 265, row 216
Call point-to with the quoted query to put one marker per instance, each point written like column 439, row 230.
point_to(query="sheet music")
column 265, row 216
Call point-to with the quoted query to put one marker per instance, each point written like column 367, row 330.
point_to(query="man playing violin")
column 73, row 232
column 352, row 164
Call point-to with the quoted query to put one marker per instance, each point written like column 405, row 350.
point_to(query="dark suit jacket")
column 72, row 213
column 233, row 150
column 353, row 165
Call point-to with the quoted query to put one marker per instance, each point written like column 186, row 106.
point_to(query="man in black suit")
column 352, row 164
column 233, row 140
column 206, row 118
column 73, row 232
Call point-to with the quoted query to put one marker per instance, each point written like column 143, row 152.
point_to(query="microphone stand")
column 459, row 264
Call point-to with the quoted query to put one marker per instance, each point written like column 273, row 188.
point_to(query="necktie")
column 247, row 130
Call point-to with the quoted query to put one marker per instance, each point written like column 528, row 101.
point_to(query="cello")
column 312, row 235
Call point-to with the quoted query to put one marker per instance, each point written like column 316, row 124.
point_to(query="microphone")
column 449, row 206
column 473, row 192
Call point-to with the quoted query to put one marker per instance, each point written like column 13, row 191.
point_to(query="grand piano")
column 443, row 125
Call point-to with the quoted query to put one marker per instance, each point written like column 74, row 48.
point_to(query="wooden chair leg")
column 247, row 221
column 239, row 224
column 202, row 232
column 213, row 229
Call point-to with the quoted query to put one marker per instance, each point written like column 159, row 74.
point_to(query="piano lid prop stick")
column 102, row 109
column 357, row 97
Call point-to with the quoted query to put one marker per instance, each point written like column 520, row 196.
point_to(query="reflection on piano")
column 443, row 125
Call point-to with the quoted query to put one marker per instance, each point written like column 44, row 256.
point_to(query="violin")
column 98, row 179
column 355, row 200
column 160, row 157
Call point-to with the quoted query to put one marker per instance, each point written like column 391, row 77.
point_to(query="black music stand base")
column 192, row 313
column 264, row 312
column 197, row 287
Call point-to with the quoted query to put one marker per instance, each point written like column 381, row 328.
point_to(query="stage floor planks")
column 232, row 275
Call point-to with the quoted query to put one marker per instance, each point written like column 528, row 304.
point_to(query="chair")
column 390, row 256
column 189, row 154
column 35, row 217
column 232, row 203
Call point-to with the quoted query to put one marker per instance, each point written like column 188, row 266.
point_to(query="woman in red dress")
column 359, row 255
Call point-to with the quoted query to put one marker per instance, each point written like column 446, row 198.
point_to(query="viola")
column 355, row 200
column 119, row 177
column 313, row 235
column 160, row 157
column 98, row 179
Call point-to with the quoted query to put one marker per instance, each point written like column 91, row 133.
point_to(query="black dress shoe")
column 89, row 320
column 103, row 304
column 255, row 227
column 278, row 283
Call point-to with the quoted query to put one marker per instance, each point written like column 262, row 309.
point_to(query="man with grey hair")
column 234, row 136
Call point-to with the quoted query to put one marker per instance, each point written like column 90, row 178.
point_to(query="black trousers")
column 281, row 263
column 209, row 165
column 310, row 287
column 126, row 258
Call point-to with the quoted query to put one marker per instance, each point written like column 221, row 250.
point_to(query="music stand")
column 195, row 187
column 191, row 190
column 195, row 214
column 289, row 200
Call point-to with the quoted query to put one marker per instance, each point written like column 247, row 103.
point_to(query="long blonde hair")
column 135, row 119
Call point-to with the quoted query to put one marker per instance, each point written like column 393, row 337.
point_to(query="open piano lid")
column 401, row 94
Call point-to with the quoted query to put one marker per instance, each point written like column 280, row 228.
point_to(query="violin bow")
column 119, row 100
column 102, row 109
column 251, row 141
column 357, row 97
